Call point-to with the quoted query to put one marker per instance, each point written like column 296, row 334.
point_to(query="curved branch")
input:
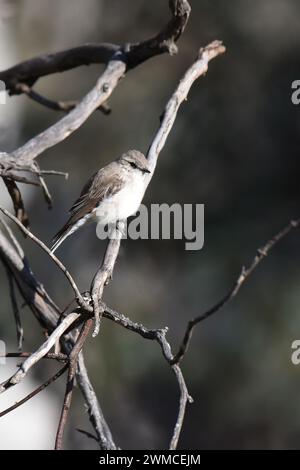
column 64, row 106
column 20, row 179
column 29, row 71
column 56, row 356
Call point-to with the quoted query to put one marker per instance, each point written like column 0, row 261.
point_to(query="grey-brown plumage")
column 112, row 193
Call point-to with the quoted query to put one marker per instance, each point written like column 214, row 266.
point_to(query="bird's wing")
column 101, row 185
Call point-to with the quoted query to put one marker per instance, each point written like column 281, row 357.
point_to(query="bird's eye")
column 132, row 164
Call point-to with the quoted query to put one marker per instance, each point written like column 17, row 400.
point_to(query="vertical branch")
column 105, row 272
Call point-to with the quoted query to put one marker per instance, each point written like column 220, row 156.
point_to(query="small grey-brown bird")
column 113, row 193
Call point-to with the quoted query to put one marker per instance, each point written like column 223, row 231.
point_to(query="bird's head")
column 135, row 159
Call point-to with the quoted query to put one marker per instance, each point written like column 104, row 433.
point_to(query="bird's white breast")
column 124, row 203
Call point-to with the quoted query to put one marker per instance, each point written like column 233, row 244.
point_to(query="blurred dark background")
column 235, row 148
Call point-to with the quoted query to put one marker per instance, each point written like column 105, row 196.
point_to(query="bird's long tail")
column 66, row 231
column 59, row 238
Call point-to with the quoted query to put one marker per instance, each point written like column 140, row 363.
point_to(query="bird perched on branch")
column 113, row 193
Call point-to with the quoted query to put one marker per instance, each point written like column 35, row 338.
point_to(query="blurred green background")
column 234, row 148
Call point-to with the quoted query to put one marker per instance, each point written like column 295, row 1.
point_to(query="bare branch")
column 184, row 399
column 87, row 434
column 105, row 272
column 37, row 171
column 164, row 41
column 29, row 71
column 19, row 179
column 56, row 356
column 64, row 106
column 46, row 192
column 52, row 172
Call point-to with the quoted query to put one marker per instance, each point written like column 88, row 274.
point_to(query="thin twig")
column 53, row 173
column 87, row 434
column 35, row 392
column 56, row 356
column 19, row 179
column 64, row 106
column 243, row 277
column 46, row 192
column 184, row 394
column 33, row 169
